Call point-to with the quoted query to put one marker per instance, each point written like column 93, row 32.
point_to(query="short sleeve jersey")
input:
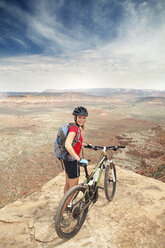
column 77, row 146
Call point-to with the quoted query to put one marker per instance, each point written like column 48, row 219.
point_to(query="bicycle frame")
column 89, row 178
column 88, row 182
column 93, row 186
column 99, row 165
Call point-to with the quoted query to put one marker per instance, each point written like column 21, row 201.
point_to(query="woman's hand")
column 88, row 146
column 83, row 161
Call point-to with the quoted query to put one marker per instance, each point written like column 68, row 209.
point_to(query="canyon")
column 32, row 182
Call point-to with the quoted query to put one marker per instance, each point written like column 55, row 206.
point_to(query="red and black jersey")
column 77, row 146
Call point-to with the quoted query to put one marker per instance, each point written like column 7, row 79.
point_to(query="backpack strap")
column 62, row 163
column 76, row 139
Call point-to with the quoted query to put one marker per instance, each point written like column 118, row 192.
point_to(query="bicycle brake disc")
column 76, row 212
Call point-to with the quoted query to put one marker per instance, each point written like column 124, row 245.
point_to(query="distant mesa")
column 94, row 94
column 112, row 91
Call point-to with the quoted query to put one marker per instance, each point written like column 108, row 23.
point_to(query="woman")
column 71, row 165
column 73, row 157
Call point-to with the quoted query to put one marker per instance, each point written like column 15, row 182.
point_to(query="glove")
column 88, row 146
column 83, row 161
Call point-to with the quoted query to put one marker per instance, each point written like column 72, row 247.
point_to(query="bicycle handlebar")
column 114, row 148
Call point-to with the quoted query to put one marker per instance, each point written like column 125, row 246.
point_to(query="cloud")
column 62, row 27
column 120, row 45
column 22, row 43
column 49, row 28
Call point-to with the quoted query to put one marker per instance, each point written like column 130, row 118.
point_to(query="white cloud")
column 21, row 42
column 92, row 69
column 134, row 59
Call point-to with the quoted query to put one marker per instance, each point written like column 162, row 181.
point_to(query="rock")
column 135, row 218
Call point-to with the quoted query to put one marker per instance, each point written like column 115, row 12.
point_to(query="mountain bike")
column 74, row 206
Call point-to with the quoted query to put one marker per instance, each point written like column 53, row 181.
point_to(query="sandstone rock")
column 135, row 218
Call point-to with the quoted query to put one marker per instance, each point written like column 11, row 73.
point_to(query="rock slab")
column 135, row 218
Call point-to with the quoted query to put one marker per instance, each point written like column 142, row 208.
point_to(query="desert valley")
column 29, row 124
column 28, row 128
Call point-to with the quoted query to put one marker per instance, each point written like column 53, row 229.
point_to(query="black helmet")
column 80, row 111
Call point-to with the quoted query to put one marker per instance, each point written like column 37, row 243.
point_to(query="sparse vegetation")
column 28, row 132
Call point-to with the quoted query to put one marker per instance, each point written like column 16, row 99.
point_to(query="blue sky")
column 59, row 44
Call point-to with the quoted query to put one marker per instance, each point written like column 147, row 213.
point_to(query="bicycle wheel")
column 74, row 216
column 110, row 181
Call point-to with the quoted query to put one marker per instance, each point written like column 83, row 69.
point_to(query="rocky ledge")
column 135, row 218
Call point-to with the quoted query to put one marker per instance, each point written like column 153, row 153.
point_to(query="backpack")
column 60, row 150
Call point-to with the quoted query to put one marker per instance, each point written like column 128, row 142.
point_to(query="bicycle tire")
column 110, row 182
column 69, row 234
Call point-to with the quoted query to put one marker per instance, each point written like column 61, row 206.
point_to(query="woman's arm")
column 84, row 144
column 68, row 145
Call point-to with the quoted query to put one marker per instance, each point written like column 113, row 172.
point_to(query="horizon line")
column 83, row 89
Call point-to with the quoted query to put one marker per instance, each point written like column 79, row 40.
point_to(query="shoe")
column 64, row 223
column 68, row 209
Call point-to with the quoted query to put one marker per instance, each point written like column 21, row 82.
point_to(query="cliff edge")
column 135, row 218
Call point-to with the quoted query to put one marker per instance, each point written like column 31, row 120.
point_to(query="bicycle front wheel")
column 110, row 181
column 69, row 220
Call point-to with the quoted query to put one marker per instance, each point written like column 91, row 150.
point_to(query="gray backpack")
column 60, row 150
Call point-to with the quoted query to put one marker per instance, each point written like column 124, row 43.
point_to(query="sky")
column 62, row 44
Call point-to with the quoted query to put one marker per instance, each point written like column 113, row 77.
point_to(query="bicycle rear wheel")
column 75, row 216
column 110, row 181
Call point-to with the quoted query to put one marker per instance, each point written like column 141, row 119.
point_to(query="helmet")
column 80, row 111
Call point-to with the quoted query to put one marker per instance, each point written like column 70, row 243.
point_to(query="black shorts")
column 72, row 169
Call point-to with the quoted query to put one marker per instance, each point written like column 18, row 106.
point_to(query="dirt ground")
column 28, row 132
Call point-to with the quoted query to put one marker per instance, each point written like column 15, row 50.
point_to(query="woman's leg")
column 66, row 187
column 69, row 183
column 72, row 173
column 73, row 182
